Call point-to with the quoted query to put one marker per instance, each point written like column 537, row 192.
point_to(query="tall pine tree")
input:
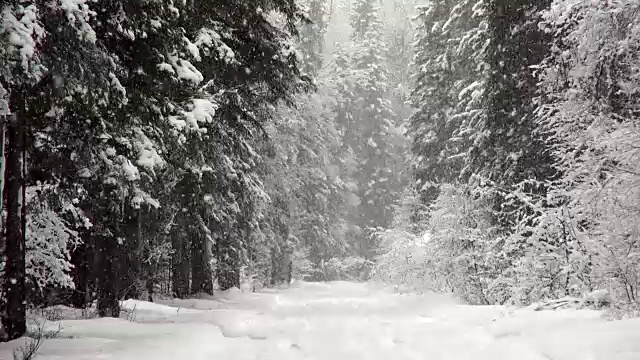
column 369, row 125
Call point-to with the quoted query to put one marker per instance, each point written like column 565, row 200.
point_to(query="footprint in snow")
column 257, row 337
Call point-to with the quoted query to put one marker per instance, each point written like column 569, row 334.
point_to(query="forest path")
column 339, row 321
column 344, row 320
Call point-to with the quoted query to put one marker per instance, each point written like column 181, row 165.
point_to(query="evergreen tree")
column 214, row 83
column 369, row 126
column 475, row 94
column 159, row 110
column 39, row 84
column 312, row 35
column 450, row 81
column 305, row 181
column 588, row 108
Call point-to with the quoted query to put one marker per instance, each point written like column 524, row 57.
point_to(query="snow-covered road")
column 338, row 321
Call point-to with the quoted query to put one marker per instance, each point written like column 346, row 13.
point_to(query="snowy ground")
column 340, row 321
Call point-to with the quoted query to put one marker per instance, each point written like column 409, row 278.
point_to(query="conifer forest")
column 175, row 149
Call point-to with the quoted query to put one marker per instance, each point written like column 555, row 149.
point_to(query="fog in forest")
column 220, row 168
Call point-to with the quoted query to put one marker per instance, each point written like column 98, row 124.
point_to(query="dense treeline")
column 177, row 148
column 173, row 148
column 133, row 137
column 522, row 140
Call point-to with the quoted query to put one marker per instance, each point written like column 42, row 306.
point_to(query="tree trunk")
column 197, row 271
column 148, row 266
column 80, row 275
column 14, row 317
column 150, row 269
column 108, row 253
column 149, row 282
column 132, row 274
column 3, row 197
column 202, row 281
column 228, row 271
column 273, row 279
column 281, row 256
column 180, row 265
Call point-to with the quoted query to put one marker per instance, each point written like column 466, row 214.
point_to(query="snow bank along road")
column 339, row 321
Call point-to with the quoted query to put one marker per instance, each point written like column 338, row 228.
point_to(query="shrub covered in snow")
column 348, row 268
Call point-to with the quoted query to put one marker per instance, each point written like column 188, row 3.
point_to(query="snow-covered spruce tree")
column 448, row 247
column 307, row 209
column 450, row 79
column 512, row 156
column 272, row 251
column 229, row 80
column 115, row 170
column 39, row 35
column 506, row 149
column 399, row 35
column 305, row 142
column 273, row 77
column 449, row 84
column 311, row 39
column 50, row 237
column 475, row 95
column 108, row 135
column 590, row 107
column 322, row 222
column 212, row 90
column 155, row 110
column 369, row 125
column 468, row 258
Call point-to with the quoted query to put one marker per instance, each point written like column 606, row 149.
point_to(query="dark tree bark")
column 132, row 274
column 281, row 254
column 228, row 271
column 197, row 271
column 281, row 267
column 149, row 224
column 14, row 314
column 92, row 269
column 108, row 252
column 274, row 279
column 202, row 280
column 4, row 194
column 85, row 264
column 150, row 272
column 80, row 274
column 150, row 268
column 180, row 265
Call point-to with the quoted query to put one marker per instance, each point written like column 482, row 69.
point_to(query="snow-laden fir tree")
column 311, row 39
column 505, row 146
column 227, row 85
column 369, row 125
column 307, row 211
column 590, row 109
column 474, row 129
column 158, row 106
column 449, row 84
column 399, row 32
column 306, row 193
column 39, row 83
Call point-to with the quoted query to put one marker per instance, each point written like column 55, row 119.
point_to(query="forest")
column 484, row 148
